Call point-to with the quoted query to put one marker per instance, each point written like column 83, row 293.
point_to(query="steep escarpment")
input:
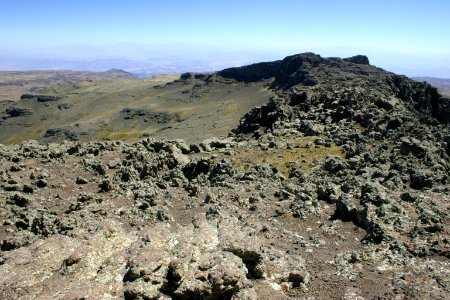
column 337, row 188
column 333, row 74
column 394, row 131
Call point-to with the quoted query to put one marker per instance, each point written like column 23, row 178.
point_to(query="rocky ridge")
column 336, row 188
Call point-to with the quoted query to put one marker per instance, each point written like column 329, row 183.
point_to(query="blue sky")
column 389, row 30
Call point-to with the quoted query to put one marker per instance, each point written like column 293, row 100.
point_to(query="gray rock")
column 81, row 180
column 334, row 165
column 20, row 200
column 421, row 179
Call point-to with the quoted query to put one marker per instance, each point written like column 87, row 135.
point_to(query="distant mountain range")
column 148, row 60
column 154, row 64
column 140, row 68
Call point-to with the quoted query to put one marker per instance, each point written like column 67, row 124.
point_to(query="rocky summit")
column 336, row 188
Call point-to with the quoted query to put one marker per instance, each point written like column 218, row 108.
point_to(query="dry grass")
column 299, row 155
column 32, row 133
column 124, row 135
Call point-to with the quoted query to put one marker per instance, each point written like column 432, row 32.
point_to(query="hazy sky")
column 392, row 31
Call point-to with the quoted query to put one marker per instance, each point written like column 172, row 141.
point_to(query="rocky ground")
column 338, row 188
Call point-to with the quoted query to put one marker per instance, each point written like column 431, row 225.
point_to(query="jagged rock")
column 348, row 209
column 243, row 245
column 214, row 276
column 421, row 179
column 221, row 171
column 294, row 69
column 334, row 165
column 21, row 239
column 15, row 112
column 196, row 167
column 20, row 200
column 408, row 197
column 105, row 186
column 424, row 97
column 94, row 166
column 328, row 192
column 309, row 128
column 191, row 75
column 298, row 277
column 375, row 194
column 41, row 183
column 412, row 146
column 303, row 204
column 65, row 133
column 81, row 180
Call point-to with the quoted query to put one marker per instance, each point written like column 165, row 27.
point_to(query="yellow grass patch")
column 299, row 155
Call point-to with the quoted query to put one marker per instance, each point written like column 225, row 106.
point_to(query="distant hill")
column 143, row 68
column 15, row 83
column 128, row 108
column 443, row 84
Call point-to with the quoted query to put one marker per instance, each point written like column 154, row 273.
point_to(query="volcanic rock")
column 337, row 188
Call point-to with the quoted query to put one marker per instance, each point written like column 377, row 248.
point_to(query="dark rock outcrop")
column 423, row 97
column 190, row 75
column 252, row 73
column 40, row 98
column 65, row 133
column 64, row 106
column 148, row 115
column 306, row 69
column 358, row 59
column 14, row 112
